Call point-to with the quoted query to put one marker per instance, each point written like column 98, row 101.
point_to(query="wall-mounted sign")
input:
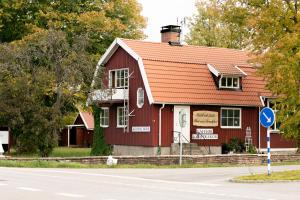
column 207, row 136
column 204, row 131
column 205, row 118
column 140, row 129
column 4, row 137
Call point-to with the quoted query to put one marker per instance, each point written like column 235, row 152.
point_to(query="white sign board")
column 204, row 131
column 145, row 129
column 205, row 136
column 4, row 137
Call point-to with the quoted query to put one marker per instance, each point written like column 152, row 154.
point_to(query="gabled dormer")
column 227, row 77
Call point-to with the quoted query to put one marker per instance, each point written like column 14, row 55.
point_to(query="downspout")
column 159, row 130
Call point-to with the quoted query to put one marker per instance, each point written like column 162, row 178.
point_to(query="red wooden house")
column 156, row 90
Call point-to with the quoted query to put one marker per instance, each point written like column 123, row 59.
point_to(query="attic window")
column 230, row 82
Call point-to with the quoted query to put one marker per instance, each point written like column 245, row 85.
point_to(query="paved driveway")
column 141, row 184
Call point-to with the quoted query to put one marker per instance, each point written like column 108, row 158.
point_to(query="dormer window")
column 230, row 82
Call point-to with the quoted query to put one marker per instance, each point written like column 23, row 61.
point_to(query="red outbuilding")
column 154, row 91
column 80, row 133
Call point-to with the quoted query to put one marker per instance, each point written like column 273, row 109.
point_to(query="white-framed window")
column 271, row 103
column 118, row 78
column 231, row 117
column 140, row 97
column 121, row 117
column 104, row 117
column 229, row 82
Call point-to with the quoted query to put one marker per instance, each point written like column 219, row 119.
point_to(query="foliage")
column 100, row 21
column 99, row 146
column 251, row 149
column 235, row 145
column 48, row 58
column 271, row 30
column 213, row 26
column 42, row 78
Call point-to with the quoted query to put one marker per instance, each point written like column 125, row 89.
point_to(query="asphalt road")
column 141, row 184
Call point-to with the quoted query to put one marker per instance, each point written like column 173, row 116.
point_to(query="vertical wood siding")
column 142, row 116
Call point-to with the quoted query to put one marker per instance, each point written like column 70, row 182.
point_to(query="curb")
column 262, row 181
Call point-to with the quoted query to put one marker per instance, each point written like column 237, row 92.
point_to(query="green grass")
column 70, row 152
column 58, row 152
column 293, row 175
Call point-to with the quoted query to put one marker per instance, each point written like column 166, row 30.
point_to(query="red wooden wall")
column 142, row 116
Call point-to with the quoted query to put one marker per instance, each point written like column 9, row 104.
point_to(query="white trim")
column 85, row 124
column 116, row 81
column 104, row 126
column 137, row 97
column 145, row 80
column 262, row 100
column 111, row 50
column 240, row 70
column 231, row 127
column 120, row 126
column 213, row 70
column 229, row 87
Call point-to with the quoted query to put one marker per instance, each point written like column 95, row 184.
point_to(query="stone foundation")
column 124, row 150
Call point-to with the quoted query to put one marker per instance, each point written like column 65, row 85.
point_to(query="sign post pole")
column 267, row 118
column 269, row 151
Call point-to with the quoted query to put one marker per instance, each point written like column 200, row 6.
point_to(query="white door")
column 181, row 123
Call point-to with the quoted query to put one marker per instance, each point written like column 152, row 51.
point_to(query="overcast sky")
column 164, row 12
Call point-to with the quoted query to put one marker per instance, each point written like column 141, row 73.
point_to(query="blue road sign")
column 266, row 117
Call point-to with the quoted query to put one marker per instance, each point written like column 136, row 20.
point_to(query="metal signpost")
column 267, row 118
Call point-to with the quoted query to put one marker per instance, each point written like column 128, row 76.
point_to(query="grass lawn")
column 59, row 152
column 293, row 175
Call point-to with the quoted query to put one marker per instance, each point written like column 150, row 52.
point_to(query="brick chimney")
column 170, row 33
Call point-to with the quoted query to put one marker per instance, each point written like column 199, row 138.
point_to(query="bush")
column 235, row 145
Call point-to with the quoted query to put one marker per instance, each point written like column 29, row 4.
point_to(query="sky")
column 165, row 12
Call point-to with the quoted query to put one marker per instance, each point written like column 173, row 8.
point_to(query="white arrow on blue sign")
column 266, row 117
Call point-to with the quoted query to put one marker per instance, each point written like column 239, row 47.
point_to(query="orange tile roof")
column 88, row 120
column 179, row 74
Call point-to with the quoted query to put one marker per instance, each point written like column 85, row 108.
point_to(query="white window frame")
column 116, row 77
column 124, row 117
column 140, row 96
column 231, row 127
column 102, row 116
column 229, row 87
column 275, row 121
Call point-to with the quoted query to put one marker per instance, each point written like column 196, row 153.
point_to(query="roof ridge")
column 188, row 45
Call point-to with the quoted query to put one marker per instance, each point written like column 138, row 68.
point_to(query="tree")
column 47, row 67
column 43, row 78
column 213, row 26
column 100, row 21
column 274, row 34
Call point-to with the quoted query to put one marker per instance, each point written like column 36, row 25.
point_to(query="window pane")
column 230, row 113
column 236, row 122
column 235, row 82
column 229, row 82
column 224, row 113
column 223, row 82
column 230, row 121
column 224, row 121
column 236, row 113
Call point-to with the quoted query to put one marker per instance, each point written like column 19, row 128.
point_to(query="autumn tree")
column 271, row 30
column 214, row 26
column 43, row 78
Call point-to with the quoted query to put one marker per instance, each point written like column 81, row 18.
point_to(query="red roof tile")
column 88, row 120
column 179, row 74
